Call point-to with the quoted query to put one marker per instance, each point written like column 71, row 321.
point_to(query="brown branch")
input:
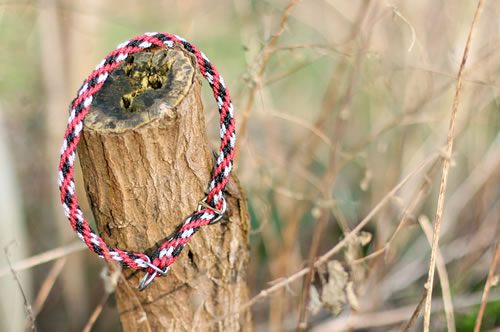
column 487, row 287
column 446, row 167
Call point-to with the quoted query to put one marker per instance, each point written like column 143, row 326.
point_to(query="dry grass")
column 343, row 117
column 444, row 180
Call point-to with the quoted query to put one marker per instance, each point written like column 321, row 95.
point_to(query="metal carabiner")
column 147, row 279
column 203, row 204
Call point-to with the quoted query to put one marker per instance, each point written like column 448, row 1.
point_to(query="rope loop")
column 210, row 209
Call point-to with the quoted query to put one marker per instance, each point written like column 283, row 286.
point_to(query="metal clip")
column 147, row 279
column 203, row 204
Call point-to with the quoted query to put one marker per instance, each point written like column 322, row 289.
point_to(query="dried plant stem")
column 443, row 276
column 446, row 167
column 405, row 20
column 111, row 275
column 313, row 253
column 95, row 314
column 290, row 72
column 487, row 287
column 313, row 129
column 407, row 214
column 416, row 312
column 27, row 305
column 267, row 51
column 44, row 257
column 47, row 285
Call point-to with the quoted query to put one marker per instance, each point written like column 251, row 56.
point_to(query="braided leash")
column 210, row 209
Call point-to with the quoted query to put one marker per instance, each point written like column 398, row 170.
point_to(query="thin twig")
column 139, row 308
column 110, row 275
column 407, row 214
column 446, row 167
column 404, row 19
column 313, row 253
column 487, row 286
column 302, row 123
column 27, row 305
column 47, row 285
column 44, row 257
column 267, row 51
column 290, row 72
column 95, row 314
column 416, row 312
column 319, row 48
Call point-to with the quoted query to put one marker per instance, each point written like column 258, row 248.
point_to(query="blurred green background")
column 355, row 95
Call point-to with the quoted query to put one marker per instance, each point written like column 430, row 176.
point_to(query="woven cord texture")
column 167, row 252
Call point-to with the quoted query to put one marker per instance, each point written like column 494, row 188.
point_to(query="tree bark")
column 146, row 165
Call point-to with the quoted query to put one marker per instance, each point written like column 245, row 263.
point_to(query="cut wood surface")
column 146, row 165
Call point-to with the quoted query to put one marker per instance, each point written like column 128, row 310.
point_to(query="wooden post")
column 146, row 165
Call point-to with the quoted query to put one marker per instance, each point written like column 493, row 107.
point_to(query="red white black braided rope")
column 207, row 213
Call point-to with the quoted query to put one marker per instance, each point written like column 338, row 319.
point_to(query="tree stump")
column 146, row 166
